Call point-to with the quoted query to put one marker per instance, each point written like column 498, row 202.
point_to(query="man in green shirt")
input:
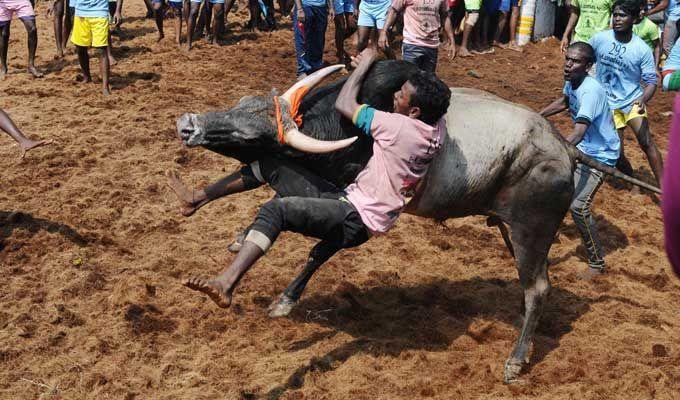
column 649, row 32
column 587, row 18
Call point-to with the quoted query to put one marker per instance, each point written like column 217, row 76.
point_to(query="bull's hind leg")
column 538, row 205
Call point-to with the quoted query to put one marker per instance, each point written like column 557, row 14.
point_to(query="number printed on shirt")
column 617, row 50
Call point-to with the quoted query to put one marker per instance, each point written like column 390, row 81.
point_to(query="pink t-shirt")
column 422, row 20
column 403, row 148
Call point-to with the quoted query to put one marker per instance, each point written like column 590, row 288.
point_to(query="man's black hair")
column 585, row 49
column 630, row 7
column 431, row 95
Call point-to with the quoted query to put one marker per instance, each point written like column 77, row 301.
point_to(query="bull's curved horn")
column 306, row 144
column 312, row 80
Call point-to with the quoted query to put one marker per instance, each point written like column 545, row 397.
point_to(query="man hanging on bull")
column 594, row 134
column 405, row 142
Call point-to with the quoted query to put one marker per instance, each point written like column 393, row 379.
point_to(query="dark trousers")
column 586, row 183
column 424, row 57
column 309, row 46
column 308, row 205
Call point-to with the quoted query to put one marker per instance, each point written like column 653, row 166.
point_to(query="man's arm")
column 663, row 4
column 346, row 104
column 649, row 80
column 300, row 11
column 391, row 17
column 555, row 107
column 579, row 131
column 657, row 54
column 7, row 125
column 573, row 19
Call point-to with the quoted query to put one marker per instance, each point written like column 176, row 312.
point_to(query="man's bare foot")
column 32, row 144
column 488, row 50
column 515, row 47
column 34, row 71
column 112, row 61
column 190, row 200
column 60, row 54
column 499, row 45
column 3, row 73
column 212, row 288
column 83, row 79
column 161, row 35
column 106, row 91
column 464, row 52
column 188, row 46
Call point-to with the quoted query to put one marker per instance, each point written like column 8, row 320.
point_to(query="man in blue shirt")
column 594, row 134
column 623, row 61
column 310, row 18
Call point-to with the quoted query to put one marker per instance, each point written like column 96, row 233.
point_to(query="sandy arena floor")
column 94, row 251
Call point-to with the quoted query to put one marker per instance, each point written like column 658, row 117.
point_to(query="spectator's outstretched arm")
column 555, row 107
column 7, row 125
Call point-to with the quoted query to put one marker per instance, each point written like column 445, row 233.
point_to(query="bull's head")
column 249, row 124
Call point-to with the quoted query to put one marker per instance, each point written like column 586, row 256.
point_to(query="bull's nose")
column 185, row 126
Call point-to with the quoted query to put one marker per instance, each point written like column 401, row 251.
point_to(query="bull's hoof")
column 512, row 370
column 281, row 307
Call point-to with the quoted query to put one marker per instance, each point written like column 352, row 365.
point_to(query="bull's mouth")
column 186, row 127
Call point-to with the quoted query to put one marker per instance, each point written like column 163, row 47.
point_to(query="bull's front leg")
column 320, row 253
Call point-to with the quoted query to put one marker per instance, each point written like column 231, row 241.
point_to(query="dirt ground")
column 94, row 251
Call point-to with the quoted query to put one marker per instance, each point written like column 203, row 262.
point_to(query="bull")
column 499, row 159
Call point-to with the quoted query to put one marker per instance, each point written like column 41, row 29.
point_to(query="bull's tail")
column 592, row 163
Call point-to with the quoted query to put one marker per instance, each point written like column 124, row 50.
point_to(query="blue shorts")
column 343, row 6
column 373, row 13
column 507, row 4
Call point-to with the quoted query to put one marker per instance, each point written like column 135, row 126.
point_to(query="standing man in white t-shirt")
column 422, row 22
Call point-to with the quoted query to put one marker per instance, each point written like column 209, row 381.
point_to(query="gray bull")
column 499, row 159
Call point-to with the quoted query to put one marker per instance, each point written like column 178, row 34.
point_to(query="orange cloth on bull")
column 295, row 102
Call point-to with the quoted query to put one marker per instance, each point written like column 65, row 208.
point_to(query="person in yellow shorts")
column 91, row 29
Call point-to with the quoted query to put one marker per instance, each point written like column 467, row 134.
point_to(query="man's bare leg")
column 502, row 20
column 105, row 70
column 221, row 287
column 467, row 31
column 32, row 32
column 4, row 44
column 623, row 164
column 58, row 17
column 191, row 200
column 644, row 137
column 84, row 61
column 109, row 52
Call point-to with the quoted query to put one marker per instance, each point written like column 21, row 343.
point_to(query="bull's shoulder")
column 467, row 95
column 483, row 113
